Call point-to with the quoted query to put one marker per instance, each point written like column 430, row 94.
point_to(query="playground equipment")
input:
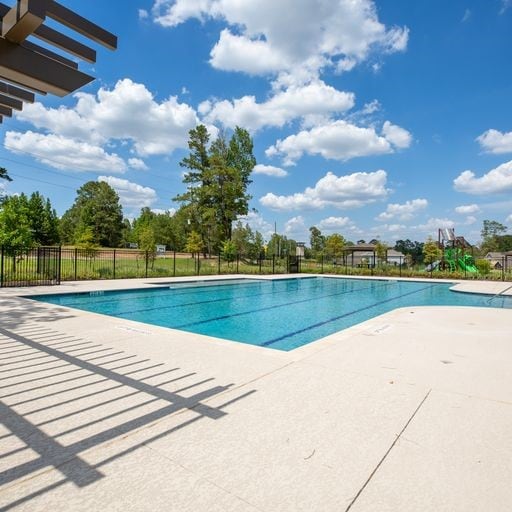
column 455, row 256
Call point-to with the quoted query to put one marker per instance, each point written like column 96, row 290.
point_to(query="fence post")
column 59, row 263
column 400, row 266
column 321, row 263
column 2, row 268
column 147, row 257
column 260, row 263
column 76, row 257
column 218, row 264
column 502, row 269
column 114, row 263
column 273, row 263
column 237, row 262
column 174, row 265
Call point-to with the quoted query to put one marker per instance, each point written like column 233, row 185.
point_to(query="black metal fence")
column 30, row 267
column 51, row 265
column 82, row 264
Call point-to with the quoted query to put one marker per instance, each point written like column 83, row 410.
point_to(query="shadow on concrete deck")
column 62, row 395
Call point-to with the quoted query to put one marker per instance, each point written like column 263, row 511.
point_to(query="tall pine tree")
column 43, row 220
column 217, row 178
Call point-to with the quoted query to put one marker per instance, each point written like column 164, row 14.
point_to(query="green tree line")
column 217, row 177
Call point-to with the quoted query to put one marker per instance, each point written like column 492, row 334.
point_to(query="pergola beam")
column 59, row 40
column 81, row 25
column 35, row 71
column 16, row 92
column 69, row 45
column 33, row 89
column 10, row 102
column 48, row 53
column 5, row 111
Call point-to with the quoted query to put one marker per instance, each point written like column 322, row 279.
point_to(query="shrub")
column 483, row 266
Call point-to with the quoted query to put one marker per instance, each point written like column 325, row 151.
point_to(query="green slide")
column 454, row 258
column 449, row 259
column 466, row 263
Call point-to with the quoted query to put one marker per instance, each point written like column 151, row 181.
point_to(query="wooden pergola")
column 365, row 248
column 27, row 68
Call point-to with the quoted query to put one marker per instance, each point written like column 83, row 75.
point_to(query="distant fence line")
column 52, row 265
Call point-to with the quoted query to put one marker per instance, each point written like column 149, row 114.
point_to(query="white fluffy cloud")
column 161, row 211
column 467, row 209
column 337, row 140
column 128, row 112
column 64, row 121
column 433, row 224
column 399, row 137
column 344, row 192
column 138, row 164
column 267, row 37
column 270, row 170
column 392, row 229
column 131, row 195
column 494, row 141
column 240, row 53
column 404, row 211
column 169, row 13
column 64, row 153
column 296, row 229
column 331, row 224
column 258, row 223
column 306, row 101
column 496, row 181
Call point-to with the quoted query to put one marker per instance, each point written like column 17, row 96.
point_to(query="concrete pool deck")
column 409, row 411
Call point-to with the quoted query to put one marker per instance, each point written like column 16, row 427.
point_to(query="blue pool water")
column 280, row 314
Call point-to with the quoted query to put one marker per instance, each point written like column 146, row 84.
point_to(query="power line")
column 39, row 168
column 41, row 181
column 83, row 169
column 38, row 155
column 59, row 173
column 59, row 185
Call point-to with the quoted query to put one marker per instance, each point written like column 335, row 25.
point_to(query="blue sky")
column 384, row 119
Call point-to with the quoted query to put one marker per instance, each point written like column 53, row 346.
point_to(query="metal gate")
column 293, row 264
column 37, row 266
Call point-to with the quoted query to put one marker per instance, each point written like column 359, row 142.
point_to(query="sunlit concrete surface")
column 409, row 411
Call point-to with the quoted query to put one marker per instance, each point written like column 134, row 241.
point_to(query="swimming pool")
column 282, row 314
